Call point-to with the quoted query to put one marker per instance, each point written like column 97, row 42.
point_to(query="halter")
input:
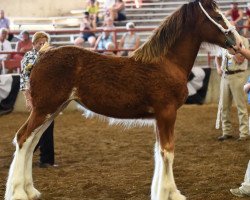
column 230, row 28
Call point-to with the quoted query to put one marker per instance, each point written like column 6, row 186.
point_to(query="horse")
column 150, row 84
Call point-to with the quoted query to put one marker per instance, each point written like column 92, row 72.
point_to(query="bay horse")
column 149, row 84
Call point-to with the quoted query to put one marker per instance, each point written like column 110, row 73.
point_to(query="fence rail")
column 115, row 31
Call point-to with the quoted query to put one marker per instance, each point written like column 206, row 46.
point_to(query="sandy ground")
column 102, row 162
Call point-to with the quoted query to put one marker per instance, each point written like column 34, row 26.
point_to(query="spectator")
column 4, row 45
column 117, row 12
column 234, row 68
column 236, row 14
column 108, row 4
column 247, row 22
column 110, row 46
column 5, row 23
column 138, row 3
column 86, row 36
column 23, row 45
column 46, row 142
column 104, row 39
column 109, row 22
column 129, row 40
column 93, row 9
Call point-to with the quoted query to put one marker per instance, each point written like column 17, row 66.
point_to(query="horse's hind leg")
column 16, row 183
column 32, row 192
column 163, row 185
column 26, row 140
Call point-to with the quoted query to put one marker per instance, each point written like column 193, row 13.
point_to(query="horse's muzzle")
column 230, row 42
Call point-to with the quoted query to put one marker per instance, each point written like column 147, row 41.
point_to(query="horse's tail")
column 46, row 46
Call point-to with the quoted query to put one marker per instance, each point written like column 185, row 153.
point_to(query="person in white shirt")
column 235, row 76
column 4, row 45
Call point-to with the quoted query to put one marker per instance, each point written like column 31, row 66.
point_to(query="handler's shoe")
column 47, row 165
column 238, row 193
column 225, row 137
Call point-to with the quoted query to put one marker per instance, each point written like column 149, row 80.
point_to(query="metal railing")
column 115, row 31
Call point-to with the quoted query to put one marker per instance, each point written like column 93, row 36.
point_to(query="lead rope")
column 225, row 56
column 220, row 105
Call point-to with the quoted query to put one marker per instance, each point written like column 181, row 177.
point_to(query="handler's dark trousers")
column 46, row 145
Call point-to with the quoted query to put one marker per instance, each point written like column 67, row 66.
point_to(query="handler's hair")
column 38, row 35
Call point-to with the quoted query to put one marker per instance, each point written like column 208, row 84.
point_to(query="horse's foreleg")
column 165, row 188
column 16, row 183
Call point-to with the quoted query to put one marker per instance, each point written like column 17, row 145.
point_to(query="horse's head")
column 214, row 26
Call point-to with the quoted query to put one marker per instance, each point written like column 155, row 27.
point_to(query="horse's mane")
column 170, row 30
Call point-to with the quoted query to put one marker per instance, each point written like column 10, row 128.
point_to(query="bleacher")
column 149, row 15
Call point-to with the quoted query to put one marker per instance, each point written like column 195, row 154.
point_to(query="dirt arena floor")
column 99, row 162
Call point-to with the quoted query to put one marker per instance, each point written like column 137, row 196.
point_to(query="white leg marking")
column 29, row 187
column 163, row 184
column 20, row 173
column 154, row 186
column 15, row 183
column 174, row 193
column 32, row 192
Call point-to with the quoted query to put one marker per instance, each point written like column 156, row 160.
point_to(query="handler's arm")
column 218, row 62
column 245, row 52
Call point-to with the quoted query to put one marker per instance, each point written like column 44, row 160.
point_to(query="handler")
column 234, row 68
column 46, row 143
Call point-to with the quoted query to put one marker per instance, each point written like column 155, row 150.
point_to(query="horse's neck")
column 184, row 52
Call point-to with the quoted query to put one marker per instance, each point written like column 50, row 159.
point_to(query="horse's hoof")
column 177, row 196
column 20, row 195
column 33, row 193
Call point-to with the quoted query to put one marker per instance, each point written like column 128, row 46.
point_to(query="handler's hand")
column 219, row 71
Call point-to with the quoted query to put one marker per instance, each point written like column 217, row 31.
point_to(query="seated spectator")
column 138, row 3
column 109, row 22
column 247, row 22
column 110, row 46
column 129, row 40
column 236, row 15
column 117, row 12
column 5, row 23
column 86, row 36
column 108, row 4
column 105, row 38
column 93, row 9
column 23, row 45
column 4, row 45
